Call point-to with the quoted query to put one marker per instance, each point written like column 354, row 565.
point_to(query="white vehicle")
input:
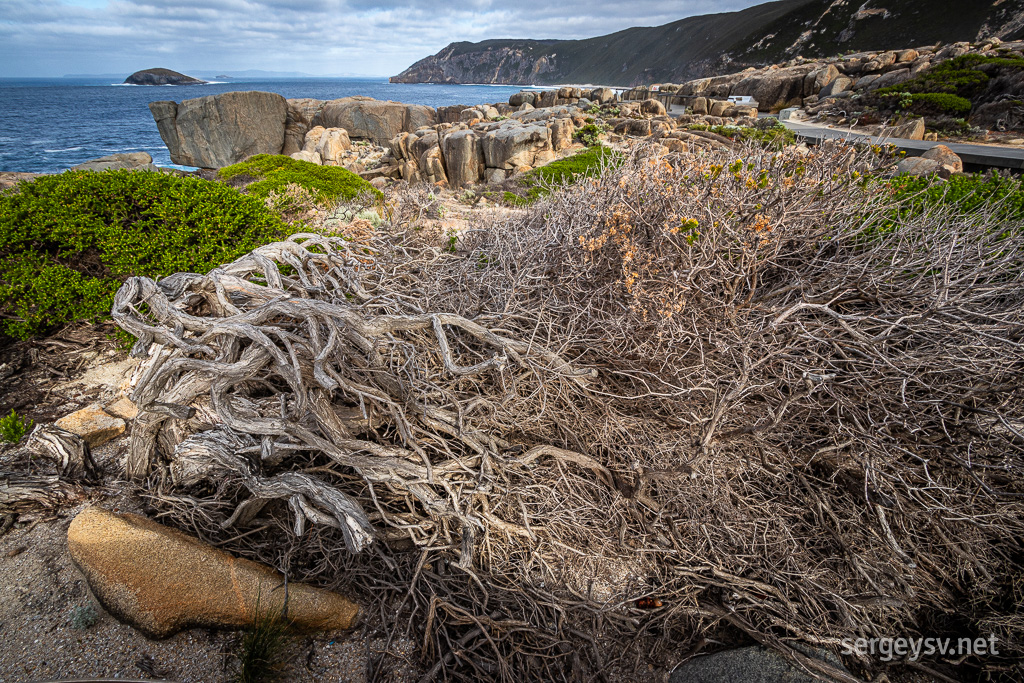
column 743, row 99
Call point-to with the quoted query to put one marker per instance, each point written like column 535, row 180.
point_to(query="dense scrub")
column 264, row 174
column 950, row 88
column 770, row 133
column 1001, row 196
column 694, row 401
column 68, row 241
column 540, row 181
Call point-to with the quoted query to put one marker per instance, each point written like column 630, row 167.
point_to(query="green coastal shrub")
column 275, row 172
column 68, row 241
column 962, row 76
column 930, row 104
column 939, row 104
column 539, row 182
column 591, row 133
column 1003, row 194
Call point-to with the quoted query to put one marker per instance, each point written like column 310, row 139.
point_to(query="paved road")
column 973, row 155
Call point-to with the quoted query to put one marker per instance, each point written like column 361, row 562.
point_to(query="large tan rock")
column 718, row 107
column 891, row 78
column 380, row 121
column 220, row 130
column 514, row 145
column 161, row 581
column 332, row 145
column 652, row 107
column 818, row 79
column 464, row 157
column 603, row 95
column 123, row 408
column 523, row 97
column 300, row 114
column 93, row 424
column 775, row 89
column 948, row 160
column 908, row 130
column 133, row 161
column 431, row 166
column 917, row 166
column 881, row 61
column 562, row 131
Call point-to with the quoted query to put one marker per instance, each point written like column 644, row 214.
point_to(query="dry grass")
column 734, row 387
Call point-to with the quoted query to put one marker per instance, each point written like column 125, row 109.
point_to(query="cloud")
column 324, row 37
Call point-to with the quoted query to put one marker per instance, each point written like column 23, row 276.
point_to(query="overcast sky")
column 321, row 37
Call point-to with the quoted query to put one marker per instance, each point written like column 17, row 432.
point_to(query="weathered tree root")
column 284, row 353
column 69, row 451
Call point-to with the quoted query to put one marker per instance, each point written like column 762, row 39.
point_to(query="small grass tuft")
column 261, row 652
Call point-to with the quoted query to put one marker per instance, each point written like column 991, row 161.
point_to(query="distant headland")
column 161, row 77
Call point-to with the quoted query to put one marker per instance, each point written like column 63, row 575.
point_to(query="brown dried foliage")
column 731, row 387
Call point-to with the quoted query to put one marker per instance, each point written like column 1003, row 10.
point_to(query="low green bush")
column 68, row 241
column 939, row 104
column 964, row 76
column 275, row 172
column 1004, row 194
column 539, row 182
column 591, row 133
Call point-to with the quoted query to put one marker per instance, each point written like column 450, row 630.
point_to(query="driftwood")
column 69, row 452
column 21, row 493
column 283, row 352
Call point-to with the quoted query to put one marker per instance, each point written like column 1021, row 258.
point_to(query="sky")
column 319, row 37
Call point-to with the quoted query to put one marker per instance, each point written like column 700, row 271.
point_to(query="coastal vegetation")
column 264, row 174
column 540, row 181
column 949, row 89
column 68, row 241
column 746, row 343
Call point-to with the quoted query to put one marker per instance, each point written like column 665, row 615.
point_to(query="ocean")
column 49, row 125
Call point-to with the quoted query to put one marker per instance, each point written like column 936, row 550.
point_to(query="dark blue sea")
column 48, row 125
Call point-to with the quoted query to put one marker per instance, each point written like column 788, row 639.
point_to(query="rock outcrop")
column 220, row 130
column 93, row 424
column 300, row 117
column 161, row 77
column 134, row 161
column 161, row 581
column 376, row 120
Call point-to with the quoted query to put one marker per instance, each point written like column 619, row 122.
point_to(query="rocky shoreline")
column 461, row 145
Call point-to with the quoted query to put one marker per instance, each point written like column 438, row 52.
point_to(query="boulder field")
column 457, row 145
column 465, row 144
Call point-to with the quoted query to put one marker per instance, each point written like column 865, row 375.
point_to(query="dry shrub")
column 804, row 423
column 296, row 205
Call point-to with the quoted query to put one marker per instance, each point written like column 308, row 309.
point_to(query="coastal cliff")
column 713, row 44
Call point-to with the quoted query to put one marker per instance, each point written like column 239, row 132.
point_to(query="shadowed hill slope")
column 717, row 43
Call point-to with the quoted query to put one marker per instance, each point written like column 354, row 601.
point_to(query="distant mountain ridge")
column 716, row 43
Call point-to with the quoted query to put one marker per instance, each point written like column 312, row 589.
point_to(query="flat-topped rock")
column 122, row 160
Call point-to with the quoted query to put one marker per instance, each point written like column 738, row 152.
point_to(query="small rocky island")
column 161, row 77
